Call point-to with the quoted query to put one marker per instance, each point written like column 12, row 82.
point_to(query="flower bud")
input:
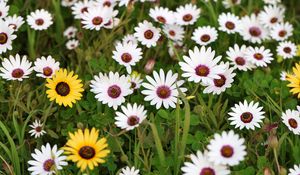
column 149, row 66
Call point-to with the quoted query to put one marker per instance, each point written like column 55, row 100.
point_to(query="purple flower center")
column 114, row 91
column 17, row 73
column 227, row 151
column 163, row 92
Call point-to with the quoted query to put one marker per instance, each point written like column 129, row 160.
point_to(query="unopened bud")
column 149, row 66
column 267, row 171
column 80, row 125
column 273, row 141
column 124, row 158
column 283, row 171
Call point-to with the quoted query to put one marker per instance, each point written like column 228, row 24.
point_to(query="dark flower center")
column 172, row 33
column 255, row 31
column 274, row 20
column 133, row 85
column 258, row 56
column 293, row 123
column 246, row 117
column 240, row 61
column 62, row 89
column 205, row 38
column 227, row 151
column 230, row 25
column 48, row 164
column 202, row 70
column 114, row 91
column 17, row 73
column 207, row 171
column 282, row 33
column 87, row 152
column 161, row 19
column 163, row 92
column 234, row 1
column 107, row 3
column 47, row 71
column 221, row 81
column 148, row 34
column 287, row 50
column 3, row 38
column 126, row 57
column 39, row 21
column 38, row 129
column 97, row 20
column 14, row 26
column 133, row 120
column 187, row 17
column 84, row 9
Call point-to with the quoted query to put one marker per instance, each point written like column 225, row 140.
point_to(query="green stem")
column 186, row 127
column 31, row 42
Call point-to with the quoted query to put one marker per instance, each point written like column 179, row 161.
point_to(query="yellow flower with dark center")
column 64, row 88
column 86, row 149
column 294, row 80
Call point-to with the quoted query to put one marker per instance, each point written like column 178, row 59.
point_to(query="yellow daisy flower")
column 86, row 149
column 294, row 80
column 64, row 88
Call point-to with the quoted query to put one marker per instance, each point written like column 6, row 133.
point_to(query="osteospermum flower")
column 259, row 56
column 237, row 56
column 226, row 148
column 80, row 7
column 230, row 3
column 162, row 89
column 127, row 54
column 291, row 118
column 286, row 49
column 281, row 31
column 129, row 38
column 283, row 75
column 39, row 19
column 252, row 30
column 246, row 115
column 271, row 15
column 37, row 129
column 294, row 80
column 200, row 165
column 70, row 32
column 106, row 3
column 187, row 14
column 3, row 9
column 65, row 88
column 72, row 44
column 15, row 22
column 162, row 15
column 130, row 117
column 96, row 17
column 147, row 34
column 86, row 149
column 174, row 32
column 45, row 67
column 112, row 23
column 295, row 170
column 47, row 160
column 229, row 23
column 201, row 65
column 15, row 68
column 129, row 171
column 205, row 35
column 111, row 89
column 135, row 80
column 6, row 37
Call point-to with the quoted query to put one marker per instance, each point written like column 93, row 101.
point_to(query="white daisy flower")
column 295, row 170
column 281, row 31
column 286, row 49
column 15, row 22
column 201, row 65
column 129, row 171
column 129, row 38
column 162, row 89
column 6, row 37
column 37, row 129
column 229, row 23
column 135, row 80
column 220, row 85
column 230, row 3
column 80, row 7
column 226, row 149
column 68, row 3
column 271, row 15
column 106, row 3
column 15, row 68
column 131, row 116
column 246, row 115
column 252, row 30
column 39, row 19
column 111, row 89
column 174, row 32
column 274, row 2
column 45, row 67
column 283, row 75
column 127, row 54
column 112, row 23
column 72, row 44
column 3, row 9
column 96, row 17
column 147, row 34
column 238, row 58
column 205, row 35
column 291, row 118
column 259, row 56
column 187, row 14
column 47, row 160
column 200, row 165
column 162, row 15
column 70, row 32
